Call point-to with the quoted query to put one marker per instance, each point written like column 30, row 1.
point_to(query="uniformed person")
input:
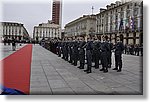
column 110, row 53
column 82, row 53
column 62, row 48
column 66, row 49
column 96, row 51
column 75, row 51
column 70, row 44
column 59, row 48
column 104, row 54
column 89, row 48
column 119, row 48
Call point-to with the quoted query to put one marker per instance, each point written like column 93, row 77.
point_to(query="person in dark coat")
column 13, row 44
column 141, row 50
column 89, row 48
column 96, row 52
column 63, row 48
column 75, row 52
column 110, row 53
column 138, row 49
column 125, row 48
column 119, row 48
column 70, row 44
column 104, row 54
column 59, row 48
column 81, row 53
column 66, row 49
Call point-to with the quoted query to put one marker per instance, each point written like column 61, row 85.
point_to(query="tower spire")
column 92, row 9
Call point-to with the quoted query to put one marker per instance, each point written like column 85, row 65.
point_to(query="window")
column 121, row 9
column 128, row 7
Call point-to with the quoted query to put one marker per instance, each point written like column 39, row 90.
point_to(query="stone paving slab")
column 7, row 50
column 60, row 77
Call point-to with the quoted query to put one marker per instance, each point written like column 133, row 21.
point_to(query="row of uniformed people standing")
column 94, row 50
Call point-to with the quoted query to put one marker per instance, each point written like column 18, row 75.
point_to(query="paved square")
column 53, row 75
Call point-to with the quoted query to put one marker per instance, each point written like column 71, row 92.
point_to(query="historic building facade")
column 121, row 19
column 57, row 13
column 82, row 26
column 46, row 30
column 10, row 30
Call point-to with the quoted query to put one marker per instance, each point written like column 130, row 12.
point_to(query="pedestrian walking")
column 13, row 44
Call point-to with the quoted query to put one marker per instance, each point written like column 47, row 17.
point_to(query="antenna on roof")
column 92, row 9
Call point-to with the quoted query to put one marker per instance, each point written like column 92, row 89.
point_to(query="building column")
column 134, row 37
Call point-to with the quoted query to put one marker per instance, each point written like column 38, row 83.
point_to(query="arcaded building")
column 121, row 19
column 46, row 30
column 10, row 30
column 81, row 26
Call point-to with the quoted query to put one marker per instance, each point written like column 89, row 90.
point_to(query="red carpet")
column 16, row 69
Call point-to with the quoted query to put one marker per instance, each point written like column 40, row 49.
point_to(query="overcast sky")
column 33, row 12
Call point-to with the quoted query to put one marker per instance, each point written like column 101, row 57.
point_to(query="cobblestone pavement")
column 52, row 75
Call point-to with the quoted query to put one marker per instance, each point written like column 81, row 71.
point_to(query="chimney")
column 102, row 10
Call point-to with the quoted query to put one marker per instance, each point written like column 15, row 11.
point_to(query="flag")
column 127, row 23
column 132, row 23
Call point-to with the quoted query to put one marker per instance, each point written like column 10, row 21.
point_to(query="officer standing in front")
column 104, row 54
column 82, row 53
column 119, row 48
column 89, row 48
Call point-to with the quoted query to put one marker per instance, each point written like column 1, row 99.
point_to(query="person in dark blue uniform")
column 75, row 51
column 110, row 53
column 96, row 52
column 63, row 48
column 66, row 49
column 89, row 48
column 104, row 54
column 70, row 44
column 13, row 44
column 119, row 48
column 59, row 48
column 81, row 53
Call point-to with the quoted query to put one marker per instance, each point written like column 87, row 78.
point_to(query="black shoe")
column 79, row 67
column 105, row 71
column 118, row 70
column 101, row 70
column 85, row 70
column 88, row 72
column 115, row 69
column 109, row 66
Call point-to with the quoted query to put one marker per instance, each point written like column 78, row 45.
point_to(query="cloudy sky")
column 33, row 12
